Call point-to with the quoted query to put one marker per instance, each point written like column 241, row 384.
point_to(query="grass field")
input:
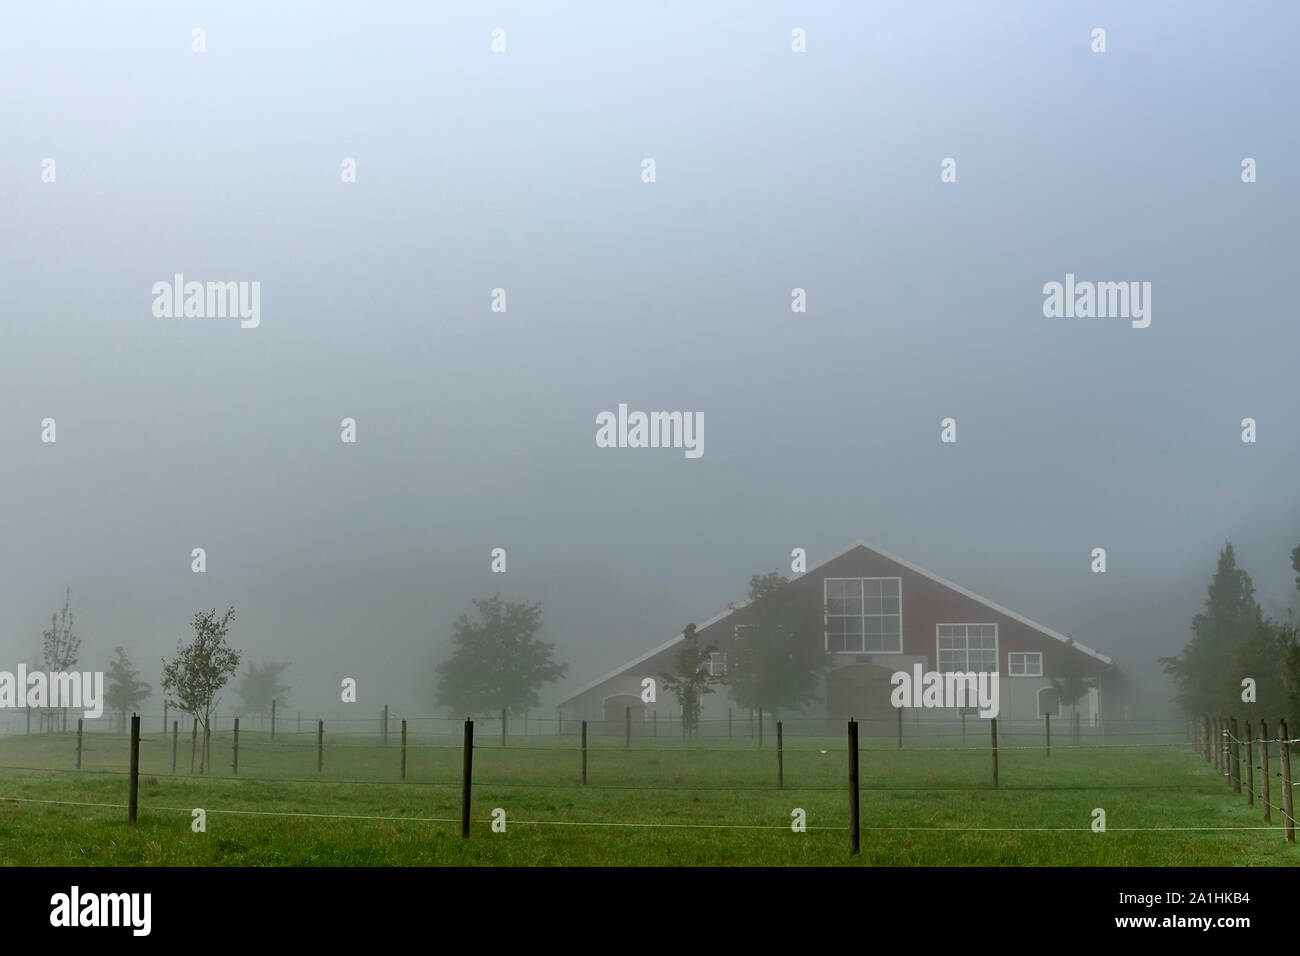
column 719, row 795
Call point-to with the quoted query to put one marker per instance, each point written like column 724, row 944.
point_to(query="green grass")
column 710, row 789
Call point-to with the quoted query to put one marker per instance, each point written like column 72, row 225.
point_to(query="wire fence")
column 299, row 759
column 652, row 724
column 1227, row 756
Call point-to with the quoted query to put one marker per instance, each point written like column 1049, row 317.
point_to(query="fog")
column 523, row 170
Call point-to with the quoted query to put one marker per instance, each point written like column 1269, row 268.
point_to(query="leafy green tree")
column 1071, row 686
column 1260, row 655
column 497, row 661
column 1203, row 673
column 1290, row 656
column 260, row 685
column 124, row 693
column 194, row 678
column 778, row 657
column 691, row 678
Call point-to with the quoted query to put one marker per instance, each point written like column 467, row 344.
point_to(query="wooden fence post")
column 79, row 722
column 760, row 727
column 176, row 726
column 1234, row 754
column 467, row 773
column 403, row 748
column 1048, row 719
column 235, row 765
column 1287, row 807
column 194, row 744
column 320, row 745
column 1263, row 770
column 854, row 836
column 994, row 724
column 1250, row 766
column 133, row 800
column 780, row 757
column 164, row 717
column 584, row 752
column 1225, row 760
column 1205, row 725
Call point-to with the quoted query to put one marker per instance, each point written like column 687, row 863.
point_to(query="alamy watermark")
column 76, row 908
column 651, row 430
column 75, row 690
column 953, row 689
column 208, row 300
column 1101, row 300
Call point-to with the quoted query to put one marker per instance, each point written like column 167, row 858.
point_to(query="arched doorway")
column 1049, row 702
column 616, row 713
column 859, row 690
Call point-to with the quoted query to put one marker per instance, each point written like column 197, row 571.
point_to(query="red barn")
column 880, row 614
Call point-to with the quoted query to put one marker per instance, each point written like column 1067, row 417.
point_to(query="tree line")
column 192, row 680
column 497, row 662
column 1238, row 656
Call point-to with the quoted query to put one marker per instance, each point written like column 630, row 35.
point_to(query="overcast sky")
column 522, row 170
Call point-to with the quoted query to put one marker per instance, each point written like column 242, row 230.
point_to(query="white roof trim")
column 839, row 554
column 1064, row 639
column 647, row 655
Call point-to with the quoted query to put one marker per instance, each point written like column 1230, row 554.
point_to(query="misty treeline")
column 774, row 665
column 497, row 661
column 192, row 681
column 1234, row 642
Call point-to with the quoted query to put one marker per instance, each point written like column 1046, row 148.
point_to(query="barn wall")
column 925, row 605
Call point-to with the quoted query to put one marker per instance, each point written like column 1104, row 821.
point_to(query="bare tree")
column 60, row 644
column 194, row 678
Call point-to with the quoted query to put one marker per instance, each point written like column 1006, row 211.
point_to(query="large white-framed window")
column 1025, row 663
column 967, row 647
column 863, row 615
column 717, row 664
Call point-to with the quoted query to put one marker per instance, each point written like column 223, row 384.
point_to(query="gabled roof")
column 1042, row 629
column 916, row 568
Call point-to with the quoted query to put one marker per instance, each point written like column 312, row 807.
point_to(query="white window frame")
column 826, row 637
column 1011, row 670
column 717, row 663
column 968, row 624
